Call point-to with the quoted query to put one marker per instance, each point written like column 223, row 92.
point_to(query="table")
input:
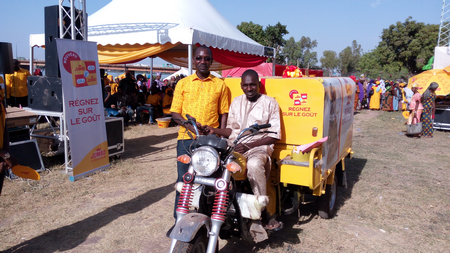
column 16, row 117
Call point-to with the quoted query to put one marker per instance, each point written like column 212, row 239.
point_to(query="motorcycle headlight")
column 205, row 161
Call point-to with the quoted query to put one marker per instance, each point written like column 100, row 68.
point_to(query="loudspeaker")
column 114, row 135
column 6, row 58
column 28, row 154
column 45, row 93
column 19, row 134
column 52, row 33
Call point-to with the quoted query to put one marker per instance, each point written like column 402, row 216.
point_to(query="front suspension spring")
column 220, row 206
column 185, row 200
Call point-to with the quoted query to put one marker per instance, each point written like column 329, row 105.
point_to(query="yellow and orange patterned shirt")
column 202, row 99
column 16, row 84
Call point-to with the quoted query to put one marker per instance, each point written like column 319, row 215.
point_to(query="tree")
column 348, row 58
column 252, row 30
column 369, row 64
column 300, row 53
column 308, row 58
column 329, row 61
column 291, row 50
column 410, row 44
column 272, row 36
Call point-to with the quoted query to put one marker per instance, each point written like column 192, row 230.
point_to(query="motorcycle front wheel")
column 198, row 245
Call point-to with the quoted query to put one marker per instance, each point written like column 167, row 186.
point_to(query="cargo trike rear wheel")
column 327, row 201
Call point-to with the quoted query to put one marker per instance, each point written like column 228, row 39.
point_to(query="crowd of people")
column 133, row 96
column 387, row 95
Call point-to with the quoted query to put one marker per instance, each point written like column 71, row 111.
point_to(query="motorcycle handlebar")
column 259, row 127
column 189, row 117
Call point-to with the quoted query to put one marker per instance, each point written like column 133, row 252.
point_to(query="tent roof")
column 185, row 21
column 120, row 29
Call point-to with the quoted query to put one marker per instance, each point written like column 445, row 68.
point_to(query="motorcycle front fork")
column 217, row 219
column 219, row 211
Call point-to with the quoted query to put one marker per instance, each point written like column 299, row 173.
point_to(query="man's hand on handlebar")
column 219, row 131
column 211, row 130
column 200, row 127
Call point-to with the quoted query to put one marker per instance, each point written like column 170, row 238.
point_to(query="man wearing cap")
column 202, row 96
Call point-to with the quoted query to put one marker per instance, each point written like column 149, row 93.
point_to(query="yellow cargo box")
column 311, row 109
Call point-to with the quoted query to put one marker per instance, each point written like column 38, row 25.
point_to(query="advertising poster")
column 346, row 131
column 332, row 120
column 83, row 106
column 338, row 118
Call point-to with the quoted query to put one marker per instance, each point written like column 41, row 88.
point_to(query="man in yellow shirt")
column 16, row 86
column 202, row 96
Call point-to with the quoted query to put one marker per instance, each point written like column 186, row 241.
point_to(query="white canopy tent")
column 125, row 34
column 441, row 57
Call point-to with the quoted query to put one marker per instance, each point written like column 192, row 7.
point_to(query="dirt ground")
column 397, row 200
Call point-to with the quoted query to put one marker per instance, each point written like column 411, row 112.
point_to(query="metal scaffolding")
column 444, row 28
column 76, row 13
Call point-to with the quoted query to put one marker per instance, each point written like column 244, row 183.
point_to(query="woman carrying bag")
column 416, row 108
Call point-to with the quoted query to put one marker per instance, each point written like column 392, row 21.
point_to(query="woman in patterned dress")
column 387, row 101
column 429, row 106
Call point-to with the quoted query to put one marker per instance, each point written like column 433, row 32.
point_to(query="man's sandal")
column 271, row 227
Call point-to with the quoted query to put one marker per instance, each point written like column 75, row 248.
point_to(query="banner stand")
column 66, row 143
column 73, row 178
column 83, row 113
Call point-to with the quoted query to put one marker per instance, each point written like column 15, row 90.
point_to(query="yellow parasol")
column 440, row 76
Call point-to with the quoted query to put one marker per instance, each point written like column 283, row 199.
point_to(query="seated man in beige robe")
column 246, row 110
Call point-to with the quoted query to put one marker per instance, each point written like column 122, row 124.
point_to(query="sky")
column 333, row 23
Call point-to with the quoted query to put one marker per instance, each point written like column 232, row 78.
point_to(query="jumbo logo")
column 298, row 98
column 98, row 154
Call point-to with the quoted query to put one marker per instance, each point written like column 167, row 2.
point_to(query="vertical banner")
column 346, row 131
column 332, row 121
column 83, row 106
column 338, row 118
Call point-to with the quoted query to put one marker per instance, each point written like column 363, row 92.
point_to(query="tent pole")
column 31, row 60
column 273, row 63
column 151, row 71
column 190, row 59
